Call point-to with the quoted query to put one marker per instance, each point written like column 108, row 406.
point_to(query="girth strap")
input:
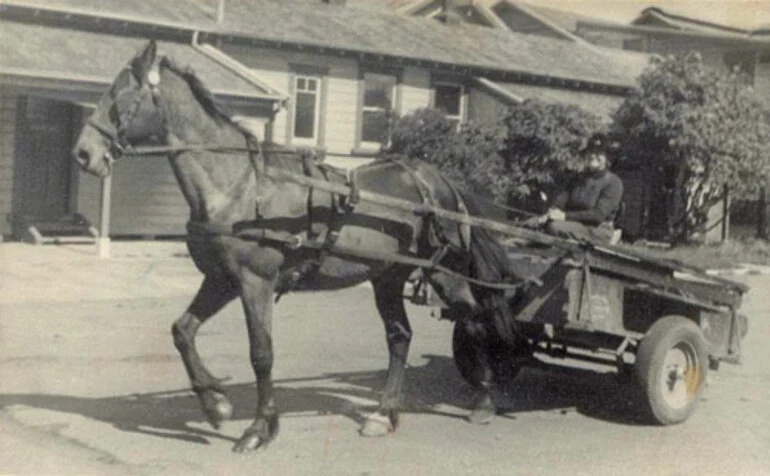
column 337, row 210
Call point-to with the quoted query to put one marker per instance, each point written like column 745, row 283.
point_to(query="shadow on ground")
column 429, row 389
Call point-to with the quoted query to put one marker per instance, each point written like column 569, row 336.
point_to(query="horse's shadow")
column 434, row 388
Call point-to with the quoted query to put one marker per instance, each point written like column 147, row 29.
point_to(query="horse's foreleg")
column 212, row 296
column 388, row 293
column 257, row 300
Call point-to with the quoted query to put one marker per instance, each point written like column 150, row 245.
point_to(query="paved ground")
column 90, row 384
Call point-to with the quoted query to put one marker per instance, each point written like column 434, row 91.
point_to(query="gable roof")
column 39, row 52
column 373, row 34
column 603, row 105
column 655, row 16
column 565, row 20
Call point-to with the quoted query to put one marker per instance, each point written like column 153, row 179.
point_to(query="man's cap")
column 597, row 143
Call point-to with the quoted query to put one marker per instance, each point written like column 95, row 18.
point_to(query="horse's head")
column 127, row 115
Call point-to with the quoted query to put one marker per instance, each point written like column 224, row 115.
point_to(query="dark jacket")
column 593, row 199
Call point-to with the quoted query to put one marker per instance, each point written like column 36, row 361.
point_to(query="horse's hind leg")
column 256, row 295
column 388, row 294
column 212, row 296
column 483, row 410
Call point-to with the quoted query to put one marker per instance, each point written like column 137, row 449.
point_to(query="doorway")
column 43, row 171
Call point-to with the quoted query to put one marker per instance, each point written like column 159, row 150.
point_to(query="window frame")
column 462, row 117
column 455, row 81
column 320, row 75
column 363, row 147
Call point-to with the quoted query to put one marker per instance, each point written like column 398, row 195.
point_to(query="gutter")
column 236, row 67
column 643, row 29
column 499, row 90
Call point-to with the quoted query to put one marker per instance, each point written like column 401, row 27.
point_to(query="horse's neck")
column 217, row 186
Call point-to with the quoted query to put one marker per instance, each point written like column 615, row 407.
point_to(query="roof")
column 71, row 55
column 563, row 19
column 370, row 31
column 656, row 15
column 602, row 105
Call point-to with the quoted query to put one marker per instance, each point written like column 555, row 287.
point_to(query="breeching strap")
column 295, row 241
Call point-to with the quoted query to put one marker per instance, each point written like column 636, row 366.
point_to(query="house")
column 654, row 31
column 318, row 73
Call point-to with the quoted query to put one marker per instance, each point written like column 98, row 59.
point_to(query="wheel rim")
column 681, row 375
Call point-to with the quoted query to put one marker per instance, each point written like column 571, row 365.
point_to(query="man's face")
column 596, row 162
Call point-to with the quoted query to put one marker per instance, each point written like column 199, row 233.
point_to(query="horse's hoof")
column 250, row 442
column 376, row 425
column 258, row 436
column 483, row 411
column 481, row 416
column 217, row 408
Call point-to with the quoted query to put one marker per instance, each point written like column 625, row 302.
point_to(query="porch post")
column 103, row 243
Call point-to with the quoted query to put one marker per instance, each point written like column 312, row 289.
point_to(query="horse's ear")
column 144, row 61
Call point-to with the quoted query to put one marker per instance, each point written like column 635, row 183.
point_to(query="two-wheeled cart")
column 658, row 321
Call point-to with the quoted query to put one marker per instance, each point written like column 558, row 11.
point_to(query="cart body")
column 659, row 322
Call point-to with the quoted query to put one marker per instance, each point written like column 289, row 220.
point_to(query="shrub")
column 706, row 129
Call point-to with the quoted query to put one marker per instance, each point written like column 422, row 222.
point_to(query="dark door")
column 42, row 164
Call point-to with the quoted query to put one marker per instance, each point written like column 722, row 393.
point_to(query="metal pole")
column 763, row 224
column 725, row 214
column 104, row 223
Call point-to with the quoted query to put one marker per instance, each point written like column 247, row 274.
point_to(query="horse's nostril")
column 82, row 156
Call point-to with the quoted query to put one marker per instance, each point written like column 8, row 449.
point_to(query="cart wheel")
column 671, row 366
column 502, row 358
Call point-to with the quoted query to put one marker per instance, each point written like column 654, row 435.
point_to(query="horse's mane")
column 201, row 92
column 219, row 113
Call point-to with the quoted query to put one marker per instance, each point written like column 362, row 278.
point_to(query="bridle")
column 128, row 104
column 141, row 105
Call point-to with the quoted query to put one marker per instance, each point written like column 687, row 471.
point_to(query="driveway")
column 90, row 383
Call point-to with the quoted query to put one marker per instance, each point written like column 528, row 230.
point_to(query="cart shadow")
column 434, row 388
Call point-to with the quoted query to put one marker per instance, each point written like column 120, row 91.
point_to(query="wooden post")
column 725, row 214
column 763, row 217
column 103, row 243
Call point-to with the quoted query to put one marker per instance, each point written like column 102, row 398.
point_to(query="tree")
column 534, row 147
column 704, row 127
column 468, row 156
column 542, row 145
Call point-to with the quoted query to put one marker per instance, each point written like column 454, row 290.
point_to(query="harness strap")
column 296, row 241
column 337, row 209
column 350, row 201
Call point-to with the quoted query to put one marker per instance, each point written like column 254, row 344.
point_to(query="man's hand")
column 555, row 214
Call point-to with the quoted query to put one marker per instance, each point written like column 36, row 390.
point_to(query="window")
column 307, row 100
column 633, row 44
column 449, row 98
column 377, row 107
column 307, row 87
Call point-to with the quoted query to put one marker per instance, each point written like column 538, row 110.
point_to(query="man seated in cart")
column 587, row 208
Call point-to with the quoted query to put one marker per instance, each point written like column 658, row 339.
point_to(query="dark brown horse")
column 250, row 234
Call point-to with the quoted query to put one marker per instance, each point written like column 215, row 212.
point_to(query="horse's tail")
column 489, row 262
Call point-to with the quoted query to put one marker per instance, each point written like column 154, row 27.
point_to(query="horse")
column 249, row 234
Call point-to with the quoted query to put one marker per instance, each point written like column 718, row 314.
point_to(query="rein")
column 294, row 241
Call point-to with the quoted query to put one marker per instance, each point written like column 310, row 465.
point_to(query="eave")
column 184, row 33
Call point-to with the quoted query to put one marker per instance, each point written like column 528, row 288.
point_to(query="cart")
column 662, row 324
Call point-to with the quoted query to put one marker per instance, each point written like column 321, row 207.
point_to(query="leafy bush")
column 543, row 141
column 468, row 156
column 706, row 129
column 533, row 147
